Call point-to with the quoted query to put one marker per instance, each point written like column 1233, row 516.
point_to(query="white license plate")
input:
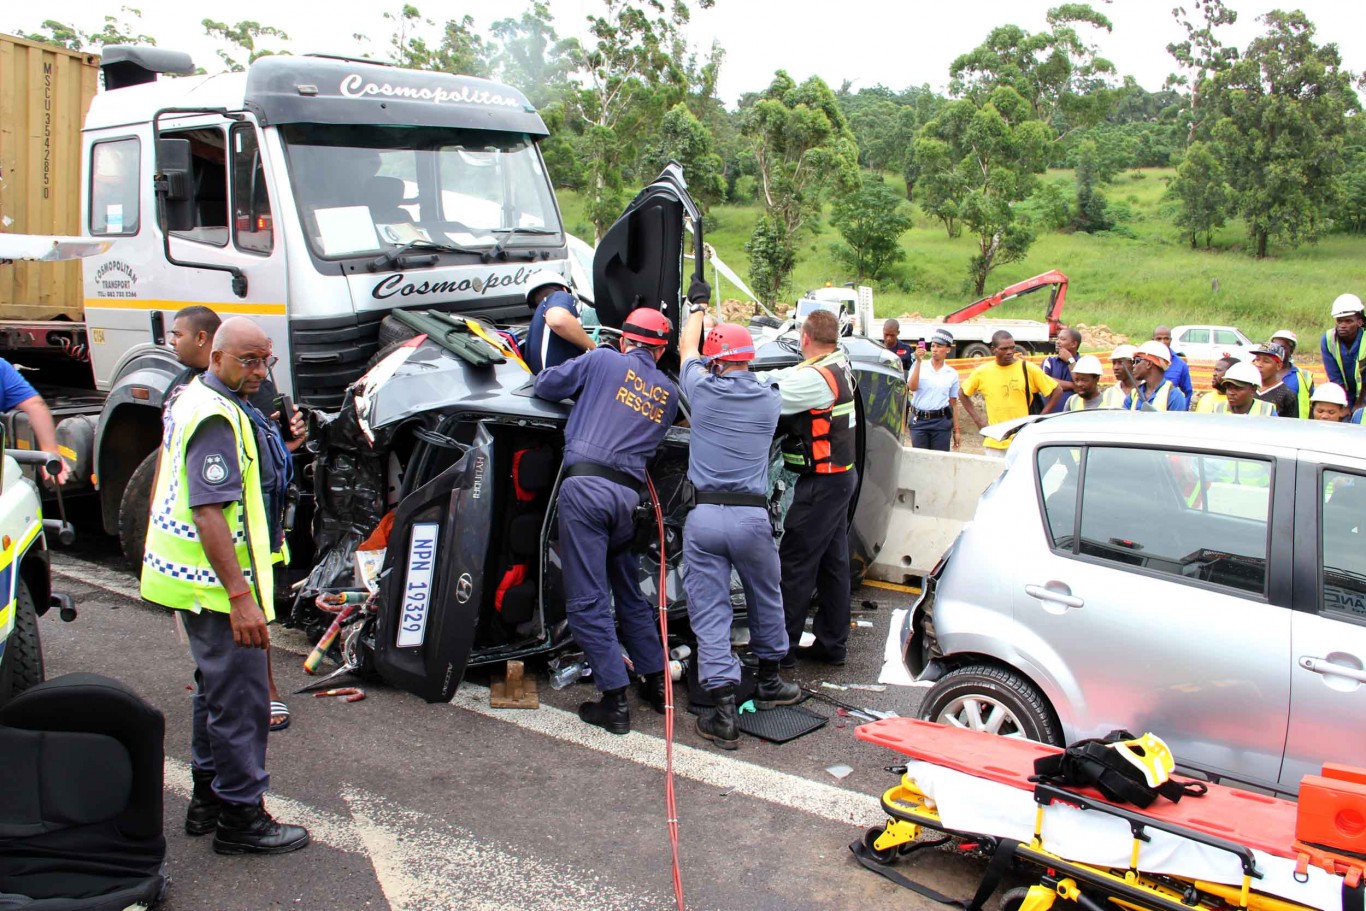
column 417, row 590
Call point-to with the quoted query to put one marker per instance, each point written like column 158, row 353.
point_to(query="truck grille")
column 328, row 355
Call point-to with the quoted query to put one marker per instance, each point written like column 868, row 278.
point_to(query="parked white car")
column 1207, row 344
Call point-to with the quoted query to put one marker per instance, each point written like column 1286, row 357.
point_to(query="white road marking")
column 706, row 766
column 426, row 864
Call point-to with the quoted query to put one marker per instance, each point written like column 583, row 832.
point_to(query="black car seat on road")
column 80, row 812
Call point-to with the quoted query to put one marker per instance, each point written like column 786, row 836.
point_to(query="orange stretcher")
column 1229, row 849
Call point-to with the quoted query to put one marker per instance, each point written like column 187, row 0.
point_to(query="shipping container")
column 45, row 92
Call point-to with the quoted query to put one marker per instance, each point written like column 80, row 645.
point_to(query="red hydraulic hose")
column 670, row 803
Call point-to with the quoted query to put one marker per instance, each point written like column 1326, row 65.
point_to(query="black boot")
column 773, row 690
column 202, row 817
column 651, row 690
column 720, row 724
column 249, row 829
column 611, row 713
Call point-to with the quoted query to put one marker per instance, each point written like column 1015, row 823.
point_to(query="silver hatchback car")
column 1202, row 577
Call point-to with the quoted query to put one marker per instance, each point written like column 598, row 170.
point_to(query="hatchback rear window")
column 1196, row 516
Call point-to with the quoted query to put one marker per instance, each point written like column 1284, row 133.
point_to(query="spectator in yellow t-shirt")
column 1006, row 387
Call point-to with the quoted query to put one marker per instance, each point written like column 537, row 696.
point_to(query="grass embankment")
column 1129, row 283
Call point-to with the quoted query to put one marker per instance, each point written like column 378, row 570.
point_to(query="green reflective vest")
column 1159, row 400
column 1112, row 397
column 1259, row 409
column 176, row 573
column 1306, row 388
column 1349, row 382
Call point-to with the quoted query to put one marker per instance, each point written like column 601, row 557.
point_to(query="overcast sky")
column 896, row 43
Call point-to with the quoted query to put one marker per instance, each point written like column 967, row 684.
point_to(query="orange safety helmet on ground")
column 647, row 327
column 728, row 342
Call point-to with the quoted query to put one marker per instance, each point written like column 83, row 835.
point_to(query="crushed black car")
column 445, row 434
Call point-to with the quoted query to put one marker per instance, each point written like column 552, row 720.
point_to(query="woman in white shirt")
column 933, row 385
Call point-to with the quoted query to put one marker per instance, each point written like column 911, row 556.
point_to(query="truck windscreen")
column 365, row 189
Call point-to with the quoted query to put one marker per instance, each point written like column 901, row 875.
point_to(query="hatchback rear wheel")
column 992, row 699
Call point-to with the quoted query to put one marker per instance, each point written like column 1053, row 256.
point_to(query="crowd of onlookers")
column 1148, row 377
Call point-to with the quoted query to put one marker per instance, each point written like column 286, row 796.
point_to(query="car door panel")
column 434, row 581
column 1328, row 632
column 1168, row 636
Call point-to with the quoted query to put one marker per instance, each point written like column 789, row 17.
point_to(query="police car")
column 25, row 582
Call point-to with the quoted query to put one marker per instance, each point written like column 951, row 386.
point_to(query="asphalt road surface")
column 460, row 806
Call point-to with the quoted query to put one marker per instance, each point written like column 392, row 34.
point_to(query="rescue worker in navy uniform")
column 216, row 518
column 818, row 417
column 624, row 404
column 733, row 418
column 556, row 333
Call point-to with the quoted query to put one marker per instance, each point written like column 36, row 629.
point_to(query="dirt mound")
column 1099, row 338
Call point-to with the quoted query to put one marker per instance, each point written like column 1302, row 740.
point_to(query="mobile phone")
column 920, row 345
column 284, row 407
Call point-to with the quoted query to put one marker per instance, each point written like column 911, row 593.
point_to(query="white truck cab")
column 312, row 194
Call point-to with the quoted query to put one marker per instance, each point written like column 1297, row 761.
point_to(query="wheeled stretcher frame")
column 1252, row 869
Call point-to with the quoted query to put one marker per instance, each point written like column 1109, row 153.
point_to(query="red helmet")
column 647, row 327
column 728, row 342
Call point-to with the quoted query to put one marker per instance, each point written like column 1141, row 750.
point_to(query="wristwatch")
column 695, row 307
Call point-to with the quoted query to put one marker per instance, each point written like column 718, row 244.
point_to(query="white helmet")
column 538, row 280
column 1089, row 364
column 1123, row 352
column 1244, row 372
column 1346, row 305
column 1156, row 351
column 1331, row 393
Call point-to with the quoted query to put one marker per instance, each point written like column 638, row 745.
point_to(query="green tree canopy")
column 871, row 221
column 114, row 31
column 1278, row 118
column 802, row 147
column 994, row 151
column 1200, row 193
column 1056, row 72
column 243, row 36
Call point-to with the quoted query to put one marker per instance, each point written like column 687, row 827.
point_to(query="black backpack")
column 1095, row 763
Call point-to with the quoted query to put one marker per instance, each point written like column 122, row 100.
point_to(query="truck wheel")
column 23, row 656
column 976, row 349
column 133, row 510
column 993, row 699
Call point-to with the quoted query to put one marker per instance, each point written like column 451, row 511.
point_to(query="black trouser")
column 815, row 555
column 934, row 433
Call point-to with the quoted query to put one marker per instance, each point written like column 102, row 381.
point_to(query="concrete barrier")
column 937, row 495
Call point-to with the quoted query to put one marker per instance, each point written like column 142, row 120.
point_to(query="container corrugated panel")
column 45, row 92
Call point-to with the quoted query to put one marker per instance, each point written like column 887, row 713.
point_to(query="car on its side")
column 1198, row 576
column 1207, row 344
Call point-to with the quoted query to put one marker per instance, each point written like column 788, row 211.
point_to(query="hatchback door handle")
column 1043, row 593
column 1324, row 666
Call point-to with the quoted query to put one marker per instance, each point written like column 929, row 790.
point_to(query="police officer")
column 733, row 418
column 191, row 338
column 818, row 419
column 208, row 557
column 624, row 406
column 556, row 333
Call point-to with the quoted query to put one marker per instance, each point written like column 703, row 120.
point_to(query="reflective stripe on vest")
column 176, row 572
column 1158, row 401
column 1259, row 409
column 1349, row 380
column 1305, row 382
column 821, row 440
column 1112, row 397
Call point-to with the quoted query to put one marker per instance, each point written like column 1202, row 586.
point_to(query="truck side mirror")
column 175, row 185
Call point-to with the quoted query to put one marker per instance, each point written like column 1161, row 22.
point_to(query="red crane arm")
column 1052, row 279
